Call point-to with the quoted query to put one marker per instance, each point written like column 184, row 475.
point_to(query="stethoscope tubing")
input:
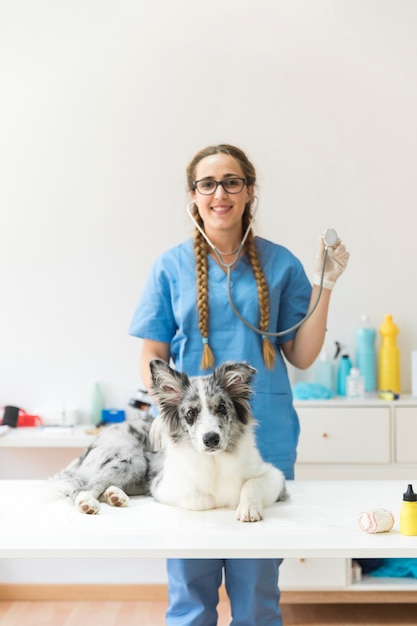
column 281, row 333
column 228, row 267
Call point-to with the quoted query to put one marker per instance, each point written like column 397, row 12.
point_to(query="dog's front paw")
column 249, row 512
column 116, row 496
column 87, row 504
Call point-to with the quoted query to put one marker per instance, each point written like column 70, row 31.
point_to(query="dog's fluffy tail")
column 284, row 495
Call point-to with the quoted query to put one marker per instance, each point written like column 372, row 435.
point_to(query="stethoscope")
column 330, row 239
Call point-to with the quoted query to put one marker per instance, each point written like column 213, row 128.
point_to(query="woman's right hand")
column 336, row 263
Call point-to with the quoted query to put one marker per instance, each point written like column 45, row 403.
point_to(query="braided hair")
column 201, row 251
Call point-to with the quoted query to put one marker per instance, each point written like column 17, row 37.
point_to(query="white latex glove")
column 336, row 262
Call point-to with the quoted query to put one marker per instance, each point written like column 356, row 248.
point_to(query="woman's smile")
column 221, row 208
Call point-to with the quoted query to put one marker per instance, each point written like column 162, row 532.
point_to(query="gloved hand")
column 336, row 262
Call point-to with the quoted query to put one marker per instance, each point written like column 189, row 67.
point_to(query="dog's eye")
column 221, row 409
column 190, row 416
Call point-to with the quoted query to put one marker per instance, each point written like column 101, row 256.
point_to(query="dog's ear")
column 167, row 384
column 236, row 378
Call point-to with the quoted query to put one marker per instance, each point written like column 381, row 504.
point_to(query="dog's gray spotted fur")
column 120, row 456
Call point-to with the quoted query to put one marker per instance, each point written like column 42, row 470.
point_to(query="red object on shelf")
column 26, row 419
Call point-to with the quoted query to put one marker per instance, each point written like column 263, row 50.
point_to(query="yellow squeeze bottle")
column 389, row 357
column 408, row 513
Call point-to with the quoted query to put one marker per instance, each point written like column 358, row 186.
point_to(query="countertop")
column 320, row 519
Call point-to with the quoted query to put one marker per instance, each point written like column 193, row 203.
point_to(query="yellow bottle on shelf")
column 408, row 513
column 389, row 357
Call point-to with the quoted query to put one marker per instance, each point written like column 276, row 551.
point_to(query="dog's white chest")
column 197, row 481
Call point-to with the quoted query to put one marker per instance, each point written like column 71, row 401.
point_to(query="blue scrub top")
column 167, row 312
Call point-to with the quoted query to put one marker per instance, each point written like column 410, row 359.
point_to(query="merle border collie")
column 199, row 453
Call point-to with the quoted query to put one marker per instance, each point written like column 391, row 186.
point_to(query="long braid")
column 200, row 249
column 263, row 300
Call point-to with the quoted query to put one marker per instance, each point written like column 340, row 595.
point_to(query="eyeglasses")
column 207, row 186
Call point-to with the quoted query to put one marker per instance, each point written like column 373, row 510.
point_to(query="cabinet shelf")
column 47, row 437
column 371, row 583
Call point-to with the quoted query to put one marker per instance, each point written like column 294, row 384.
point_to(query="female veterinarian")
column 185, row 315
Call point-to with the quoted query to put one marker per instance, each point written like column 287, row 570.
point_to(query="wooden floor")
column 129, row 613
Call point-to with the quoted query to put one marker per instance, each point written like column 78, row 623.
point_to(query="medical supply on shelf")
column 323, row 373
column 355, row 386
column 344, row 368
column 408, row 513
column 365, row 353
column 113, row 416
column 376, row 521
column 389, row 357
column 386, row 394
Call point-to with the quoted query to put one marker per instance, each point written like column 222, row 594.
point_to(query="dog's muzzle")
column 211, row 440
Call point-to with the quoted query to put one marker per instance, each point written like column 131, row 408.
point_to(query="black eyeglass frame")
column 218, row 182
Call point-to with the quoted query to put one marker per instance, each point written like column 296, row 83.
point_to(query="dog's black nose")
column 211, row 440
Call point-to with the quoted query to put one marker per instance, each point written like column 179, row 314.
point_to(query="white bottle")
column 355, row 385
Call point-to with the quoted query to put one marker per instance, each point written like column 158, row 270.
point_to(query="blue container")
column 323, row 374
column 366, row 356
column 112, row 416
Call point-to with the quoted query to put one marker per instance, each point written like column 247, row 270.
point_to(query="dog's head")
column 211, row 411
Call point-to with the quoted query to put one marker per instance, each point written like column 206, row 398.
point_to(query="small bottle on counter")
column 408, row 513
column 355, row 386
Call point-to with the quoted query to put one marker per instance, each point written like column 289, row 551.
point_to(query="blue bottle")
column 366, row 354
column 345, row 365
column 324, row 371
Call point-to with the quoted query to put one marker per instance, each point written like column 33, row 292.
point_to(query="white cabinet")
column 406, row 435
column 361, row 439
column 344, row 435
column 300, row 574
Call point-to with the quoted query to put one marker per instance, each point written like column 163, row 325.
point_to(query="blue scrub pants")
column 251, row 584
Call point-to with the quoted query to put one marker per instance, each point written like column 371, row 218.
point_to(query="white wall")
column 102, row 105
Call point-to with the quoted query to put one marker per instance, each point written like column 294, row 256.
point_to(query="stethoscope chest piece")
column 330, row 237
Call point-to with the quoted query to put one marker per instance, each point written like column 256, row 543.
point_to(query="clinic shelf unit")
column 47, row 437
column 344, row 439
